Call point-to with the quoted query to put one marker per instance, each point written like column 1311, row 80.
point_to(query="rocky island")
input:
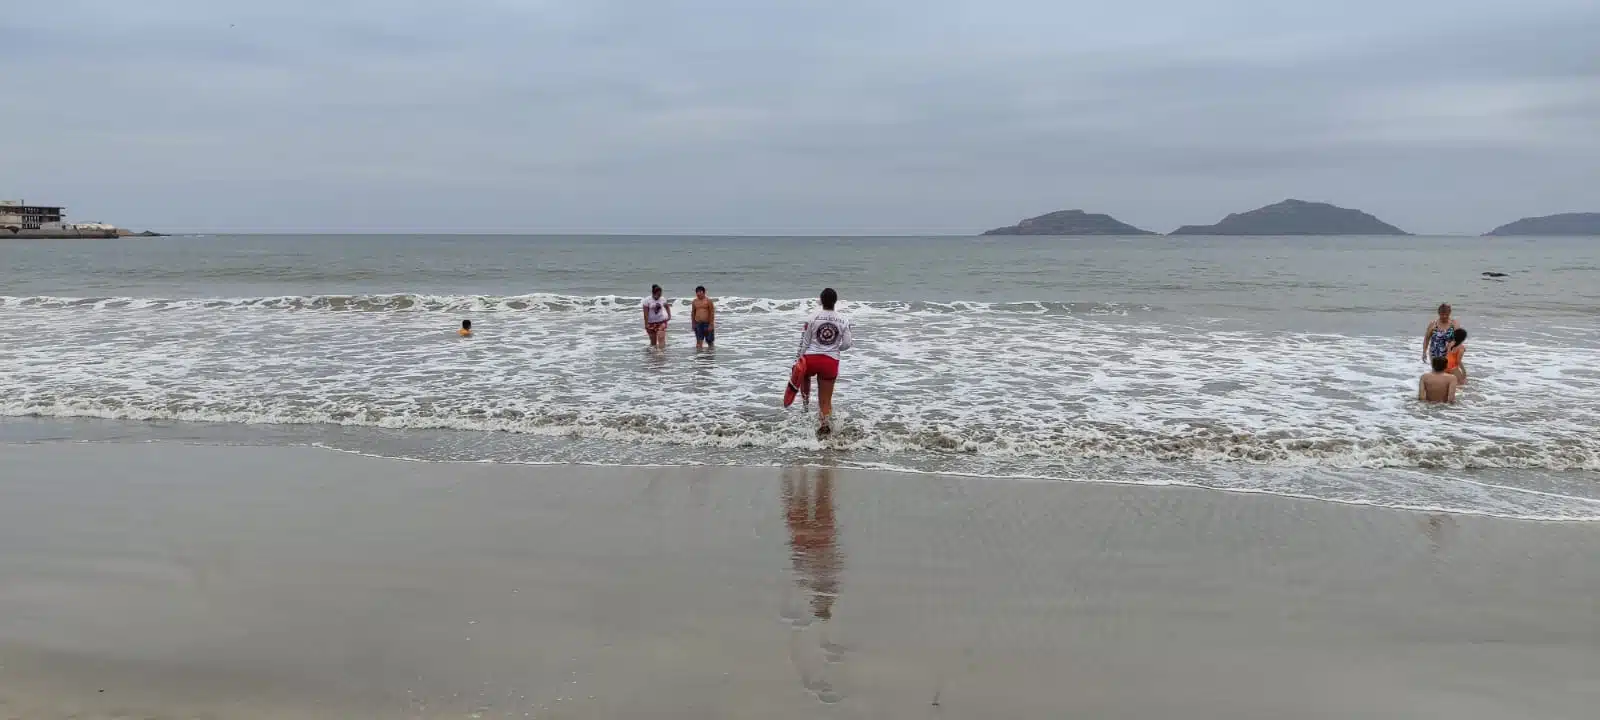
column 1563, row 224
column 1070, row 222
column 1296, row 217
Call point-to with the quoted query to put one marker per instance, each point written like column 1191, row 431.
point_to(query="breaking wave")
column 537, row 302
column 1068, row 441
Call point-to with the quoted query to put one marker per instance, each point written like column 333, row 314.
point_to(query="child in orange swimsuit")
column 1458, row 347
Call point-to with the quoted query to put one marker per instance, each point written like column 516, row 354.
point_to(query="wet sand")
column 175, row 581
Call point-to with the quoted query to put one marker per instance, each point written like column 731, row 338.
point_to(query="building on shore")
column 19, row 219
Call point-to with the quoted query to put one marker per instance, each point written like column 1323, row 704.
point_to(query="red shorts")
column 825, row 367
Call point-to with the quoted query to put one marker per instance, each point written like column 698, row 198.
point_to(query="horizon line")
column 767, row 233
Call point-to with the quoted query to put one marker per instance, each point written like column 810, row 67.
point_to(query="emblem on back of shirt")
column 827, row 334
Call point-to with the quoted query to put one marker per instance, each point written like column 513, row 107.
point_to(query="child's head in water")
column 1440, row 363
column 466, row 328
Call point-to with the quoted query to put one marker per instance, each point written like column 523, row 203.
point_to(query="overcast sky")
column 1444, row 116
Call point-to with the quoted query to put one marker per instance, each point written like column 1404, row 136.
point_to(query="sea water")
column 1276, row 365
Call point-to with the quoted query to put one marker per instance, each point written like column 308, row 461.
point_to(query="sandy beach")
column 165, row 580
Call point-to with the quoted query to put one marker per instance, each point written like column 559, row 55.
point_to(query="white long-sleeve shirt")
column 826, row 333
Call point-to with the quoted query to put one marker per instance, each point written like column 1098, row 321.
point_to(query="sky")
column 794, row 116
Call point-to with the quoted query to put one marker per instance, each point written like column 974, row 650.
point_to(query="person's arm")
column 848, row 340
column 1422, row 389
column 646, row 311
column 804, row 330
column 711, row 315
column 1450, row 391
column 668, row 305
column 1426, row 336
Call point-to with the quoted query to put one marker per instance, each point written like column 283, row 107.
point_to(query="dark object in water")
column 1491, row 273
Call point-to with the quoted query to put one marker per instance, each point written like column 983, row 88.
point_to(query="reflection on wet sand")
column 813, row 536
column 815, row 560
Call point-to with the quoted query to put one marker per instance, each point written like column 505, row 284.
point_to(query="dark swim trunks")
column 704, row 333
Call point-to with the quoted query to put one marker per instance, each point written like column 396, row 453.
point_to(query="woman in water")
column 1437, row 338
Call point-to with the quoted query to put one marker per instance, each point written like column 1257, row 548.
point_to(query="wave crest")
column 1066, row 443
column 543, row 302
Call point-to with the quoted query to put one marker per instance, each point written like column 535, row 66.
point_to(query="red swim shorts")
column 822, row 366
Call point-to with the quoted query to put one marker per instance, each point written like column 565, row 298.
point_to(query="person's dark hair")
column 1461, row 335
column 699, row 288
column 655, row 288
column 466, row 324
column 829, row 298
column 1440, row 363
column 1444, row 308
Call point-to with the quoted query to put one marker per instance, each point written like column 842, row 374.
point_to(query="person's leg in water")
column 825, row 403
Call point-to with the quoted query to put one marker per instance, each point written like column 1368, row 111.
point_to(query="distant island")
column 1070, row 222
column 1563, row 224
column 1296, row 217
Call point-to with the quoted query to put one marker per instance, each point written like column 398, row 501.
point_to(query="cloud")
column 794, row 115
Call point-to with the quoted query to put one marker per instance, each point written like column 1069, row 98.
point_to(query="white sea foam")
column 1029, row 388
column 537, row 302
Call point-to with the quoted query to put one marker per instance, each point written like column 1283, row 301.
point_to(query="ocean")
column 1272, row 365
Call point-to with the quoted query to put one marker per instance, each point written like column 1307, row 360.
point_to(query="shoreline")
column 167, row 579
column 1566, row 494
column 912, row 472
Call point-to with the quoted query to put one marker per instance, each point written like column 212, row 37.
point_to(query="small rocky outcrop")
column 1070, row 222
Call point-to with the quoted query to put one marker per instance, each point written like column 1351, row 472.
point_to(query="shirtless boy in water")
column 1438, row 386
column 704, row 319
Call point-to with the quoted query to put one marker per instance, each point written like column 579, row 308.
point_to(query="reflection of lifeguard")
column 813, row 536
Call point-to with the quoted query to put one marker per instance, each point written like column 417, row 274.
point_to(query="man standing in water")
column 825, row 336
column 657, row 313
column 704, row 319
column 1438, row 386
